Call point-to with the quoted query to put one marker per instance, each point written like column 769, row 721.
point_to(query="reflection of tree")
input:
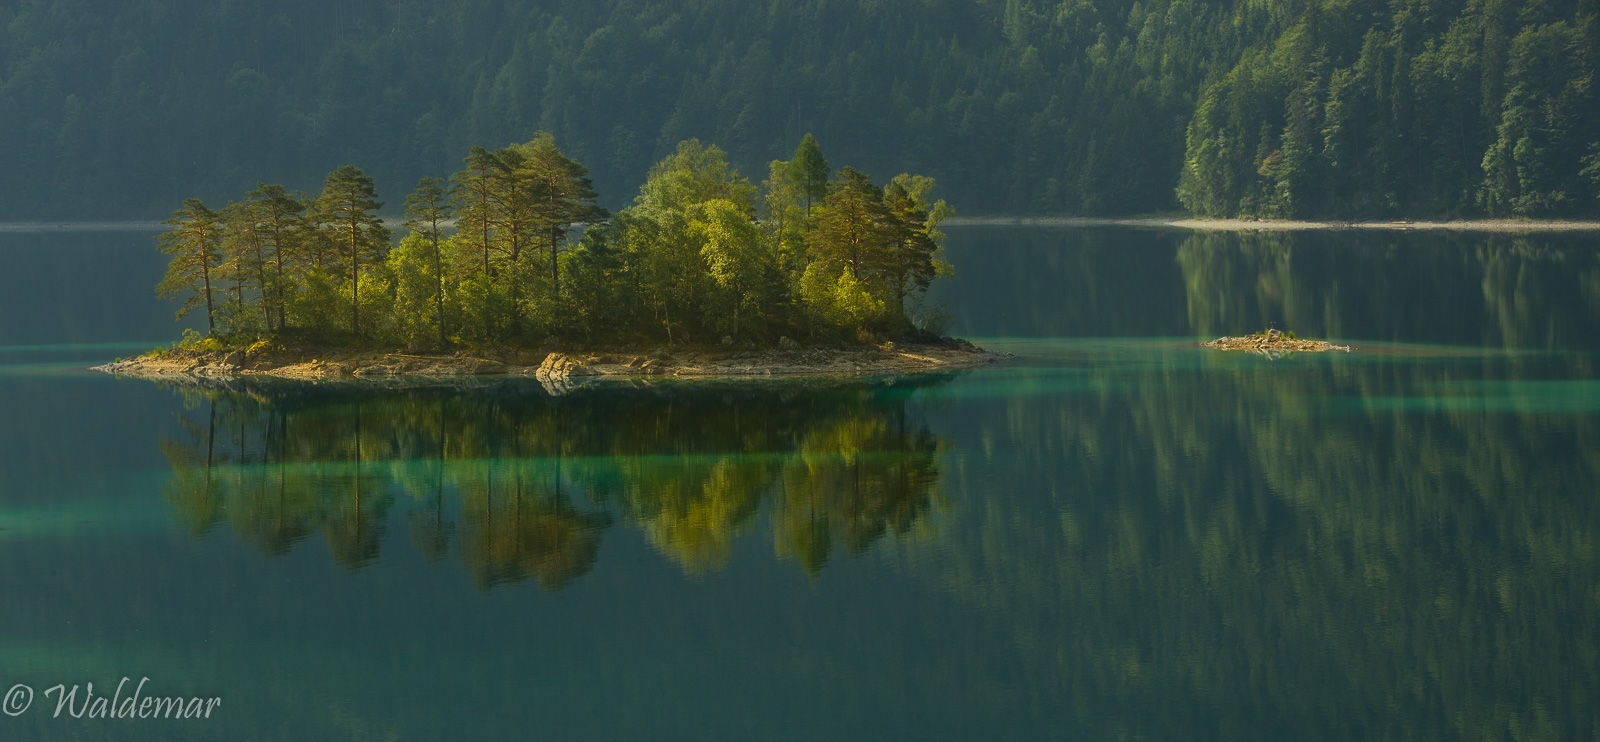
column 691, row 507
column 511, row 532
column 1360, row 549
column 853, row 483
column 494, row 471
column 1497, row 290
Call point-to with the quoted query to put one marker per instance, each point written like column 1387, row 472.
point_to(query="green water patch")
column 81, row 517
column 1559, row 397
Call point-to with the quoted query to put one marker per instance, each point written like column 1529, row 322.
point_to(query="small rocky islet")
column 1273, row 341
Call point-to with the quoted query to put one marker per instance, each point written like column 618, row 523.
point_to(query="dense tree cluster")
column 1061, row 106
column 702, row 254
column 1481, row 107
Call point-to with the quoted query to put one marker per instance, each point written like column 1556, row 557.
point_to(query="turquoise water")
column 1117, row 535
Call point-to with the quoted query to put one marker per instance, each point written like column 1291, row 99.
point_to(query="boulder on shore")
column 558, row 366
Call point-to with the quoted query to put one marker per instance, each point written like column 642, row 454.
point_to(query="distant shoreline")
column 1190, row 223
column 122, row 226
column 1282, row 225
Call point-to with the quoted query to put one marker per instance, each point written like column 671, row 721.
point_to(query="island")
column 1273, row 341
column 812, row 273
column 556, row 367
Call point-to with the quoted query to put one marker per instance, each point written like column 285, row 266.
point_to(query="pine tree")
column 244, row 258
column 809, row 172
column 426, row 208
column 564, row 196
column 910, row 259
column 346, row 205
column 474, row 194
column 849, row 231
column 195, row 244
column 281, row 222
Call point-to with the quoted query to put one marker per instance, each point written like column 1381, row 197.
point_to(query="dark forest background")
column 1333, row 109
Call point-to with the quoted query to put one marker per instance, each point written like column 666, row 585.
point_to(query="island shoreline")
column 561, row 366
column 1190, row 223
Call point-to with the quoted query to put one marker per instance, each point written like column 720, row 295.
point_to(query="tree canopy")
column 691, row 261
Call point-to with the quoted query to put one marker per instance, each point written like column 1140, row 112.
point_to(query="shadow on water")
column 522, row 485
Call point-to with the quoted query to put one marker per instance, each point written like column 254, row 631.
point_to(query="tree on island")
column 565, row 197
column 474, row 194
column 851, row 226
column 914, row 237
column 808, row 170
column 195, row 244
column 347, row 203
column 692, row 260
column 280, row 218
column 427, row 208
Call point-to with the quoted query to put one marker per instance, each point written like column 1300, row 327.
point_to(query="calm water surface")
column 1117, row 536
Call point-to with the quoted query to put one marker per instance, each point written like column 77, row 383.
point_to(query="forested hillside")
column 1291, row 108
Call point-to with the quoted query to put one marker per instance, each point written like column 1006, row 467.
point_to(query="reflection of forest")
column 1353, row 550
column 1495, row 290
column 521, row 485
column 1533, row 291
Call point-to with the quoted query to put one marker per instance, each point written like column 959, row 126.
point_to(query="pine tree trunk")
column 277, row 256
column 355, row 282
column 438, row 282
column 555, row 268
column 261, row 278
column 205, row 274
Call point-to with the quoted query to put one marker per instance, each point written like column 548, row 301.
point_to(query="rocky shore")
column 562, row 367
column 1274, row 343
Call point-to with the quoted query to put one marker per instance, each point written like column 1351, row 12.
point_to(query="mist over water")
column 1120, row 534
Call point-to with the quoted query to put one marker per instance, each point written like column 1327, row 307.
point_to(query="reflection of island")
column 521, row 485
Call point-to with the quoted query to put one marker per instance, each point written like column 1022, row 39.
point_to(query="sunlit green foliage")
column 689, row 261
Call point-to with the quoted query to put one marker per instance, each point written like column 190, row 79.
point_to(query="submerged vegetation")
column 702, row 254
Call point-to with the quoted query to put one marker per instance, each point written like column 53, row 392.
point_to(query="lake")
column 1118, row 535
